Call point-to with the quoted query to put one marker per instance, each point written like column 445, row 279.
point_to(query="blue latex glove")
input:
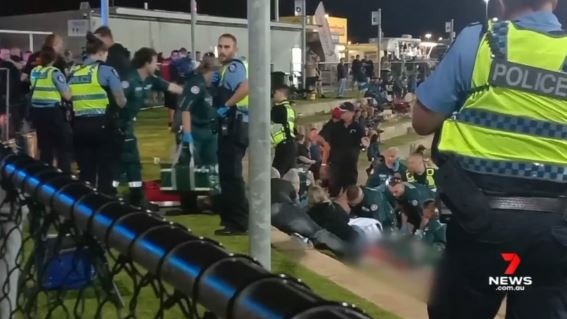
column 222, row 111
column 187, row 138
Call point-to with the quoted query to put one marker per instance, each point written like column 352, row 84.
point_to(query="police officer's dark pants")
column 54, row 136
column 285, row 156
column 462, row 289
column 341, row 175
column 95, row 152
column 232, row 204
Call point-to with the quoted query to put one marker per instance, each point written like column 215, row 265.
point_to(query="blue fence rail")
column 73, row 246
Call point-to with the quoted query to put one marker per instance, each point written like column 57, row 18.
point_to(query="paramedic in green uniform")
column 140, row 82
column 391, row 166
column 372, row 203
column 409, row 198
column 198, row 119
column 431, row 230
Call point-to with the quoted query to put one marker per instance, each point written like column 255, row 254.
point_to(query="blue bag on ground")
column 66, row 267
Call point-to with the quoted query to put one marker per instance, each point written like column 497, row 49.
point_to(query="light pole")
column 259, row 131
column 304, row 44
column 104, row 12
column 486, row 2
column 193, row 27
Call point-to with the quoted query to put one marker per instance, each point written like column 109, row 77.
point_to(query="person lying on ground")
column 291, row 219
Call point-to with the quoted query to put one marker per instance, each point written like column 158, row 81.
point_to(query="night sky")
column 415, row 17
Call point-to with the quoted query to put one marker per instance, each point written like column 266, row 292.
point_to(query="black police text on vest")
column 529, row 79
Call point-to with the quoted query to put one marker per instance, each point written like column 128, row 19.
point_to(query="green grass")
column 156, row 141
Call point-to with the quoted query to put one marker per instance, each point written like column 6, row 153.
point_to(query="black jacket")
column 341, row 71
column 119, row 59
column 332, row 217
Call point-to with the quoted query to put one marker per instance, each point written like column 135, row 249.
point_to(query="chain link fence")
column 67, row 251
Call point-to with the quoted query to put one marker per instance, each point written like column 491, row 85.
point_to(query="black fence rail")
column 67, row 251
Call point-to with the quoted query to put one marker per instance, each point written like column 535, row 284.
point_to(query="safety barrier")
column 67, row 251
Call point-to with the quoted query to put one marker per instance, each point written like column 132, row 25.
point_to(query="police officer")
column 372, row 203
column 408, row 198
column 391, row 165
column 232, row 107
column 419, row 173
column 49, row 88
column 499, row 96
column 198, row 119
column 283, row 127
column 137, row 87
column 95, row 87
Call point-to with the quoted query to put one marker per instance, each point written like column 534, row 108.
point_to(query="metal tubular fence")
column 67, row 251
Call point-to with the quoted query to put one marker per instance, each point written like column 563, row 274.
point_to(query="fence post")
column 6, row 128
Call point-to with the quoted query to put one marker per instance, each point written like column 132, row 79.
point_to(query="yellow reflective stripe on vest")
column 89, row 97
column 517, row 126
column 278, row 131
column 45, row 92
column 244, row 103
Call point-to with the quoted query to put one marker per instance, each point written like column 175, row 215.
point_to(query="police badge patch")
column 374, row 207
column 195, row 89
column 414, row 203
column 125, row 84
column 232, row 67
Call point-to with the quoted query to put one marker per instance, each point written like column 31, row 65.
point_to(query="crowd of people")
column 321, row 199
column 385, row 88
column 85, row 111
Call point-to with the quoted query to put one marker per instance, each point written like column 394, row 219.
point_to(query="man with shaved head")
column 388, row 168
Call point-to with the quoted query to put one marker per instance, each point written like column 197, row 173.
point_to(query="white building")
column 162, row 30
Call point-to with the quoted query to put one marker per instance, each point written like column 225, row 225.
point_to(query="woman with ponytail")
column 97, row 93
column 48, row 89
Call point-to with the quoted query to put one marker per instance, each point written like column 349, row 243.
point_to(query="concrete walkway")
column 305, row 108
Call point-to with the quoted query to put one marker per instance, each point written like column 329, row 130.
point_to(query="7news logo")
column 509, row 282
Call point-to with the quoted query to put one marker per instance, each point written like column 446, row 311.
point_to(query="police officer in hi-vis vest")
column 498, row 102
column 96, row 87
column 419, row 173
column 283, row 127
column 48, row 89
column 232, row 107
